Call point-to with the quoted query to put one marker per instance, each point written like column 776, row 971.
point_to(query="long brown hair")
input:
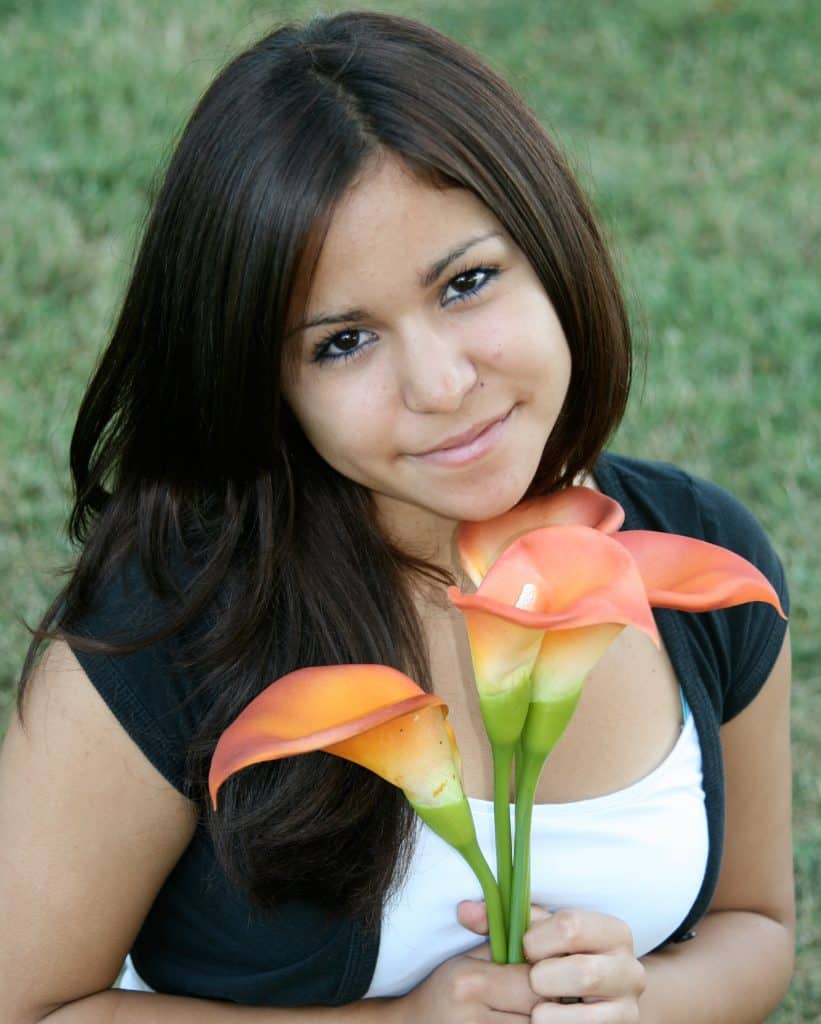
column 186, row 461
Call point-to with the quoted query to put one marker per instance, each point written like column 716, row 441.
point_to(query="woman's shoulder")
column 662, row 496
column 742, row 642
column 142, row 675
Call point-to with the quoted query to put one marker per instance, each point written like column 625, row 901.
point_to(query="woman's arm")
column 89, row 831
column 739, row 966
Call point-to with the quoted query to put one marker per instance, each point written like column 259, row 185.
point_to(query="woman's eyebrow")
column 426, row 278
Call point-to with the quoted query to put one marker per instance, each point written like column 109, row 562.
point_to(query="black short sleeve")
column 147, row 693
column 740, row 644
column 755, row 630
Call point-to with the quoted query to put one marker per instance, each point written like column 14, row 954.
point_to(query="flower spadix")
column 480, row 544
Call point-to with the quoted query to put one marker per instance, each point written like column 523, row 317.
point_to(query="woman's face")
column 431, row 366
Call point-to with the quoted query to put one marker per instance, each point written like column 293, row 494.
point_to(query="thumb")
column 538, row 914
column 472, row 914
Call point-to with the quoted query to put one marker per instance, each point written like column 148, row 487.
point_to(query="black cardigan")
column 202, row 938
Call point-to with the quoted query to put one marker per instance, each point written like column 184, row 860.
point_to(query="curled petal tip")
column 695, row 575
column 480, row 544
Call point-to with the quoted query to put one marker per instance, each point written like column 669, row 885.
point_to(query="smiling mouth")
column 469, row 445
column 460, row 440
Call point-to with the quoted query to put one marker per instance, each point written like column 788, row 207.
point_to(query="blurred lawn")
column 691, row 125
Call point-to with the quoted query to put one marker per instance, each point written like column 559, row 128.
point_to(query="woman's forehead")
column 392, row 220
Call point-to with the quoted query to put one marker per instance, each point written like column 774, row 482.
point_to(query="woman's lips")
column 460, row 454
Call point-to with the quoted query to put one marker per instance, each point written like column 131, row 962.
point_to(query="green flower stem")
column 518, row 756
column 528, row 770
column 502, row 763
column 454, row 823
column 495, row 916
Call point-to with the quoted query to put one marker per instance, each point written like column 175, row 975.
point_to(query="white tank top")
column 638, row 854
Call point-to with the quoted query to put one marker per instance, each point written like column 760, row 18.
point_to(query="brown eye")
column 468, row 283
column 346, row 340
column 343, row 345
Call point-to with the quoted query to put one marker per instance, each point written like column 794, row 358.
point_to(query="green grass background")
column 690, row 123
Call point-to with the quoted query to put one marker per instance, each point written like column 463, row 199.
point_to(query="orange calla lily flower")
column 553, row 578
column 679, row 572
column 480, row 544
column 378, row 718
column 351, row 710
column 558, row 581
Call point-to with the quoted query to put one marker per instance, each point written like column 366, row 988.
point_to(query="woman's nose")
column 437, row 373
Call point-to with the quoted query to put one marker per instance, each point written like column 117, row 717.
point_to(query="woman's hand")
column 583, row 955
column 577, row 958
column 470, row 989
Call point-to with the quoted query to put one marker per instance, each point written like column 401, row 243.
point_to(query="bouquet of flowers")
column 557, row 580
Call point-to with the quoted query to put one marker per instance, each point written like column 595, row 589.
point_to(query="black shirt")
column 203, row 938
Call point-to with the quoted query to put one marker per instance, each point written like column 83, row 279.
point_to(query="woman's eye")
column 342, row 345
column 468, row 283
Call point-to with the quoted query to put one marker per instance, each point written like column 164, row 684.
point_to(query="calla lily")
column 480, row 544
column 679, row 572
column 317, row 708
column 380, row 719
column 572, row 579
column 559, row 577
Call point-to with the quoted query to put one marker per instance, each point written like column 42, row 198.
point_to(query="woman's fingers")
column 507, row 989
column 620, row 1012
column 576, row 931
column 602, row 975
column 576, row 958
column 587, row 956
column 468, row 989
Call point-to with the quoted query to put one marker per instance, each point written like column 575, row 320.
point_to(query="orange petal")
column 312, row 708
column 480, row 544
column 564, row 660
column 693, row 575
column 561, row 577
column 413, row 752
column 566, row 657
column 501, row 651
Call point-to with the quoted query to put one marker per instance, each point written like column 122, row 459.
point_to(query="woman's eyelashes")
column 346, row 344
column 468, row 283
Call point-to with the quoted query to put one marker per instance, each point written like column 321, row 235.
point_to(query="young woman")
column 371, row 303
